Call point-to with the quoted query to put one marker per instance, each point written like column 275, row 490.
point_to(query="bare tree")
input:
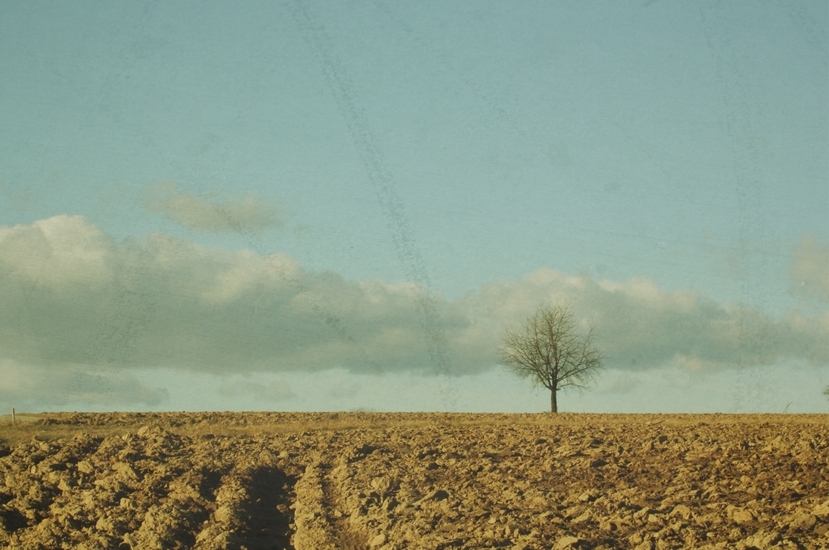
column 548, row 350
column 826, row 391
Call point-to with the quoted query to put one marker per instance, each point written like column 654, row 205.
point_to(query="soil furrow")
column 267, row 516
column 343, row 533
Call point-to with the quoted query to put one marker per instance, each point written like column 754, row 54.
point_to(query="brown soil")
column 420, row 481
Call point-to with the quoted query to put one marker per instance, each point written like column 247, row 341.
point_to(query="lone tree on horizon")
column 548, row 350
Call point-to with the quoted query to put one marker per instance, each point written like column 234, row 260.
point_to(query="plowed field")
column 431, row 481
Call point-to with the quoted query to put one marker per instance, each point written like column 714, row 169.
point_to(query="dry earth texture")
column 431, row 481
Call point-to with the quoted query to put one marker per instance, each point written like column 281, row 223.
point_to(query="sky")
column 317, row 206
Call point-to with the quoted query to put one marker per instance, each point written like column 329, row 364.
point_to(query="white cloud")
column 170, row 303
column 57, row 252
column 639, row 326
column 209, row 214
column 810, row 267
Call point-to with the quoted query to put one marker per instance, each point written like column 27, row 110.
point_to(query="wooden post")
column 13, row 416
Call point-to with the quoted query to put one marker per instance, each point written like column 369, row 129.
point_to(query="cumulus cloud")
column 640, row 326
column 56, row 252
column 171, row 303
column 208, row 214
column 810, row 267
column 73, row 296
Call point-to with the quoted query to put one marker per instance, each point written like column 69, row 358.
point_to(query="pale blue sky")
column 179, row 181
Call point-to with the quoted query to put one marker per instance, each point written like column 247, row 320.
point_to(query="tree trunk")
column 553, row 402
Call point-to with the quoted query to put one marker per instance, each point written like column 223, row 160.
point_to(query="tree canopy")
column 548, row 349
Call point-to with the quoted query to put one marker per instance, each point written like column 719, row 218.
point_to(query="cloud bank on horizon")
column 80, row 312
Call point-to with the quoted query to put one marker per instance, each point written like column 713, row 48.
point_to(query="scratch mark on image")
column 384, row 186
column 740, row 122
